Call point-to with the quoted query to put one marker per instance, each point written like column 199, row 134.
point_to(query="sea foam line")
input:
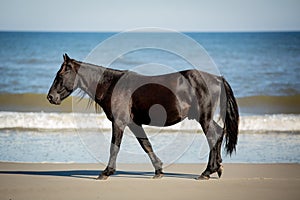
column 66, row 121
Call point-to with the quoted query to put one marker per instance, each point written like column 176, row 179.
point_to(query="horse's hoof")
column 203, row 177
column 158, row 176
column 220, row 171
column 102, row 177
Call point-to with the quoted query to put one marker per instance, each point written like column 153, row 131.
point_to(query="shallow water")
column 83, row 137
column 92, row 147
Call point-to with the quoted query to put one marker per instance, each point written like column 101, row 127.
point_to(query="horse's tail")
column 231, row 121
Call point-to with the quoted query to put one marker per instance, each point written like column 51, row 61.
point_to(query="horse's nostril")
column 50, row 97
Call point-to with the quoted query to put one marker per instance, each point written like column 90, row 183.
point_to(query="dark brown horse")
column 131, row 99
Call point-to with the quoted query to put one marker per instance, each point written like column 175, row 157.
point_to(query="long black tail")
column 231, row 122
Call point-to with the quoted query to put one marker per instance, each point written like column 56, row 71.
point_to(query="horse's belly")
column 158, row 106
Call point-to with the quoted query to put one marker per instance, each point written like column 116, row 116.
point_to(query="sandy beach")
column 133, row 181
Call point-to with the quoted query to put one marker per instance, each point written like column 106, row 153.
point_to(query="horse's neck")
column 96, row 80
column 89, row 76
column 106, row 84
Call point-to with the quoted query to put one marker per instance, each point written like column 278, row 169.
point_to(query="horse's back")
column 165, row 99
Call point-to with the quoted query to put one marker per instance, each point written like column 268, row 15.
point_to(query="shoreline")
column 132, row 181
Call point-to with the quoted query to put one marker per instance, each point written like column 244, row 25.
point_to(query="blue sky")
column 120, row 15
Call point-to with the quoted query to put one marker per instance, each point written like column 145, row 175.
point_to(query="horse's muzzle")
column 54, row 99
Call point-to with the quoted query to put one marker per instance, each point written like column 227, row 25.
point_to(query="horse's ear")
column 66, row 57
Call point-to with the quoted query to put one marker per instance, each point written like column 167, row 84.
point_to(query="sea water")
column 85, row 138
column 262, row 68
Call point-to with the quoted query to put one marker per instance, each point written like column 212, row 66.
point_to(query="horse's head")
column 65, row 81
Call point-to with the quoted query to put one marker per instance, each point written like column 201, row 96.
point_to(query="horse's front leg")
column 117, row 134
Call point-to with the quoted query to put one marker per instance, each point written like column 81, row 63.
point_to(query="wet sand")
column 133, row 181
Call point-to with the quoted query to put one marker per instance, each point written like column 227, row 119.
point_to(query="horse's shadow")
column 92, row 174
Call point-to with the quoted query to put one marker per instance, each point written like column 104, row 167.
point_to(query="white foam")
column 63, row 121
column 54, row 121
column 279, row 122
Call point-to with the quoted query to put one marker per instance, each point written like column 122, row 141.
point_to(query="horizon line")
column 120, row 31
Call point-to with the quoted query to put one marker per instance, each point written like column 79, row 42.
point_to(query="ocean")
column 262, row 68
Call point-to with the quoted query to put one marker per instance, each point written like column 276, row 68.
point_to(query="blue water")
column 253, row 63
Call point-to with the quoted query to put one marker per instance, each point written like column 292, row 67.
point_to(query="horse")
column 130, row 99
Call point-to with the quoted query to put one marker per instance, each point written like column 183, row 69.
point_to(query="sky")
column 120, row 15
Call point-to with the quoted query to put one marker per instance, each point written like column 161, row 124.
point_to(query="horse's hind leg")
column 141, row 136
column 214, row 136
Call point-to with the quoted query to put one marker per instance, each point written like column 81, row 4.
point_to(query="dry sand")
column 133, row 181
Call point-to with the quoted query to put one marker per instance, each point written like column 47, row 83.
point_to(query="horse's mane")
column 80, row 93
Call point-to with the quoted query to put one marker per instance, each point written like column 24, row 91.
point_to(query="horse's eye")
column 69, row 66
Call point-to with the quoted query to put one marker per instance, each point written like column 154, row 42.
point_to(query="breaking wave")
column 98, row 122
